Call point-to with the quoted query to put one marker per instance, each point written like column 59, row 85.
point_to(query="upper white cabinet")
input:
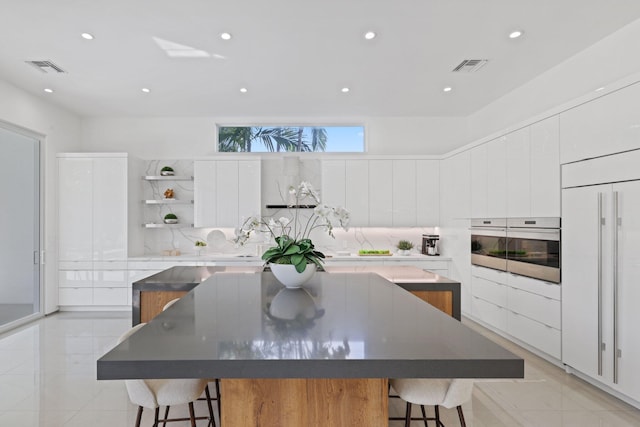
column 357, row 191
column 225, row 191
column 427, row 192
column 404, row 193
column 92, row 207
column 518, row 174
column 479, row 181
column 497, row 178
column 384, row 193
column 380, row 193
column 545, row 168
column 606, row 125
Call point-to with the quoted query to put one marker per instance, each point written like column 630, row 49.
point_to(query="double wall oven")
column 525, row 246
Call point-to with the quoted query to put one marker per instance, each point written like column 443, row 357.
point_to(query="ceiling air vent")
column 470, row 65
column 46, row 66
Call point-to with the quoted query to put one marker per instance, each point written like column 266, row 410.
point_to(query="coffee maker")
column 430, row 244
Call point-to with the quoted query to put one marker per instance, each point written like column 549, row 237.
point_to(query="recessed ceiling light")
column 515, row 34
column 243, row 89
column 599, row 89
column 369, row 35
column 146, row 90
column 48, row 90
column 225, row 36
column 447, row 89
column 87, row 36
column 345, row 89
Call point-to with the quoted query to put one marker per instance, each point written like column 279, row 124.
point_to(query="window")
column 262, row 139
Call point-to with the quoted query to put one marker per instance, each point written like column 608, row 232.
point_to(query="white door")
column 585, row 241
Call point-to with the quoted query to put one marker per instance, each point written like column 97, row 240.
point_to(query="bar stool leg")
column 166, row 416
column 461, row 416
column 424, row 416
column 157, row 417
column 139, row 417
column 407, row 417
column 213, row 420
column 192, row 415
column 438, row 422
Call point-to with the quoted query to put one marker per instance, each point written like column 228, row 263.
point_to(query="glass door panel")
column 19, row 227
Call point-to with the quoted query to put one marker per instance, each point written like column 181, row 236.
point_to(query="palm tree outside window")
column 234, row 139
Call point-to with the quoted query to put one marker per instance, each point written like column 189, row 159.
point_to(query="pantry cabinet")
column 96, row 197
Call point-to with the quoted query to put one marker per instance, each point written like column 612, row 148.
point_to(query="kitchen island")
column 152, row 293
column 320, row 355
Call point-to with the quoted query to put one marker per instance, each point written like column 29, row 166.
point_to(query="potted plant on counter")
column 404, row 247
column 294, row 259
column 200, row 245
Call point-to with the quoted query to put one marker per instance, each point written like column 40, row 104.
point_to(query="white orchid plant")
column 293, row 243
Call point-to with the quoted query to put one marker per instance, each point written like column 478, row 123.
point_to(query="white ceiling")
column 293, row 56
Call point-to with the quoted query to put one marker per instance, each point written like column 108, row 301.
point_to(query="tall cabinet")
column 601, row 269
column 94, row 195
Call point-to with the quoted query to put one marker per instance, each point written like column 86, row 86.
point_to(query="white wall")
column 60, row 131
column 180, row 137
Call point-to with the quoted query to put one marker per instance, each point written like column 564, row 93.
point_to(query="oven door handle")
column 534, row 235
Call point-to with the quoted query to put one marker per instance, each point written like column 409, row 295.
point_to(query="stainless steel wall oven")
column 525, row 246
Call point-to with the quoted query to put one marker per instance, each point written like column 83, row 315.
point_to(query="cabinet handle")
column 599, row 245
column 616, row 226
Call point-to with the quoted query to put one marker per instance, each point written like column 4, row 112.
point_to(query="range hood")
column 281, row 206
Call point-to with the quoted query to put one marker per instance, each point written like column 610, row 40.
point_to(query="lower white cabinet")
column 523, row 308
column 91, row 286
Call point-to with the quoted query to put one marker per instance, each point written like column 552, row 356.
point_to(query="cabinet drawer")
column 489, row 274
column 75, row 296
column 547, row 289
column 111, row 278
column 536, row 307
column 489, row 313
column 75, row 279
column 110, row 296
column 489, row 291
column 422, row 264
column 535, row 334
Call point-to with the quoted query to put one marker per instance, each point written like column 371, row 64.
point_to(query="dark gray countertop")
column 350, row 325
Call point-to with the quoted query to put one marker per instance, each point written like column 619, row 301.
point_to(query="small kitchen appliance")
column 430, row 244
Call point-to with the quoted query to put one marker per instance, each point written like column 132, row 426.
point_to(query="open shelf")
column 167, row 178
column 157, row 225
column 167, row 202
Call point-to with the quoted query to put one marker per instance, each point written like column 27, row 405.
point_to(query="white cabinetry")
column 380, row 193
column 601, row 269
column 225, row 191
column 545, row 168
column 526, row 309
column 518, row 174
column 404, row 193
column 427, row 192
column 383, row 193
column 606, row 125
column 357, row 191
column 497, row 178
column 479, row 181
column 93, row 228
column 518, row 177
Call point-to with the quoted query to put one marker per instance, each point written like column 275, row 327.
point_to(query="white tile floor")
column 48, row 371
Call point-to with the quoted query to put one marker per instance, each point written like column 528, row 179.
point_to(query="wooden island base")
column 297, row 402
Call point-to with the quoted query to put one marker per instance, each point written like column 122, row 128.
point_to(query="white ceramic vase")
column 288, row 276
